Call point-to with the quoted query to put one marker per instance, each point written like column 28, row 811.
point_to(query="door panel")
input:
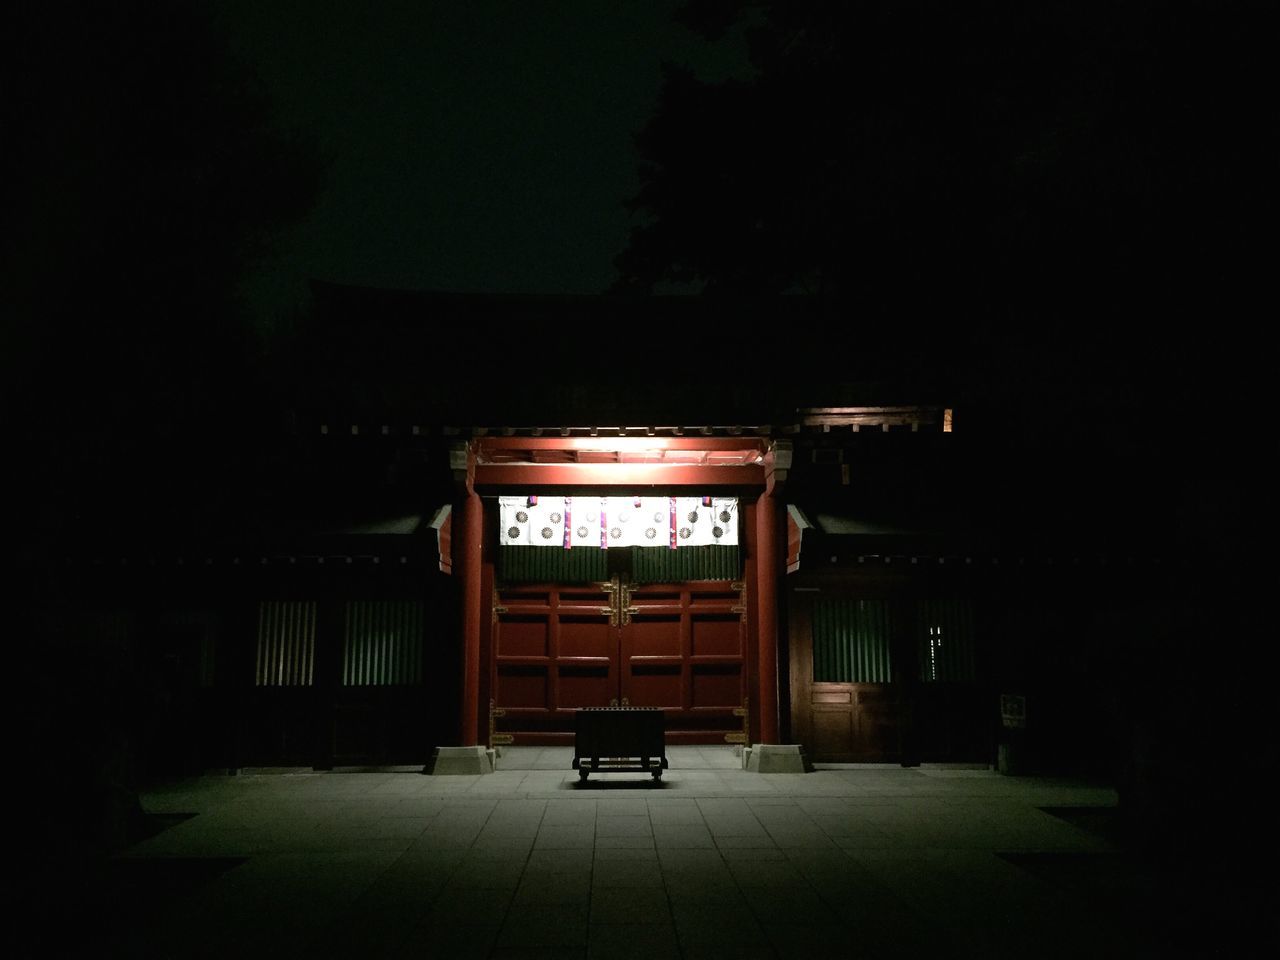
column 716, row 635
column 524, row 635
column 832, row 732
column 586, row 637
column 717, row 685
column 655, row 685
column 585, row 686
column 521, row 685
column 654, row 636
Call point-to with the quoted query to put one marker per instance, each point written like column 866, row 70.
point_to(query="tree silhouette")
column 147, row 174
column 1060, row 212
column 150, row 173
column 997, row 160
column 1053, row 215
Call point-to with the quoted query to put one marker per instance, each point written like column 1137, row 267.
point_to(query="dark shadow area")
column 1152, row 903
column 147, row 884
column 149, row 824
column 114, row 906
column 1105, row 822
column 646, row 784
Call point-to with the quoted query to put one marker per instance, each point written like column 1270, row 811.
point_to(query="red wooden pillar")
column 767, row 611
column 472, row 619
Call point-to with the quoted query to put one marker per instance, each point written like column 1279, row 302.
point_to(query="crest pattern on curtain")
column 604, row 522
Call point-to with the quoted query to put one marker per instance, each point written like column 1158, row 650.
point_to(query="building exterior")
column 473, row 534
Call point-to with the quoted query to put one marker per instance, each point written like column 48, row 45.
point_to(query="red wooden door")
column 555, row 649
column 681, row 647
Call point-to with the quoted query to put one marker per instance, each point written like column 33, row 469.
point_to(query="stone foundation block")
column 774, row 758
column 465, row 761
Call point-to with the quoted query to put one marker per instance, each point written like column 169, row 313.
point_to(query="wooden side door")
column 844, row 694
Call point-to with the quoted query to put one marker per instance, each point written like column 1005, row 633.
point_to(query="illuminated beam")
column 633, row 445
column 617, row 475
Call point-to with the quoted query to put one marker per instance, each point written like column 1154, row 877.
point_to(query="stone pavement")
column 846, row 861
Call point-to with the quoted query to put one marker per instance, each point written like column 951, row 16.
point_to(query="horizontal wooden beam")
column 874, row 411
column 633, row 445
column 617, row 475
column 875, row 416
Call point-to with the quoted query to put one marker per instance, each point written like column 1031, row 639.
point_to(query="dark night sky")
column 473, row 146
column 487, row 146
